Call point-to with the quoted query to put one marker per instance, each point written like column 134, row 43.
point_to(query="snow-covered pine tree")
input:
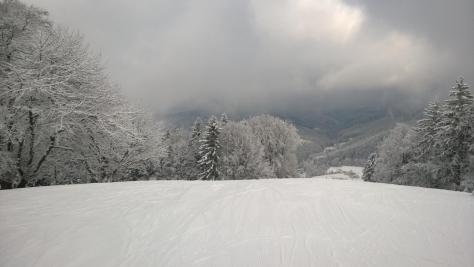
column 164, row 162
column 468, row 178
column 209, row 150
column 426, row 130
column 369, row 169
column 193, row 157
column 171, row 164
column 196, row 130
column 225, row 142
column 224, row 119
column 455, row 132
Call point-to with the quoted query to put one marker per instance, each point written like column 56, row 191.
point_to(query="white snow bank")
column 350, row 171
column 281, row 222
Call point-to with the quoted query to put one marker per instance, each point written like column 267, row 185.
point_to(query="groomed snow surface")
column 280, row 222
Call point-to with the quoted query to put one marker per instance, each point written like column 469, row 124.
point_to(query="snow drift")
column 285, row 222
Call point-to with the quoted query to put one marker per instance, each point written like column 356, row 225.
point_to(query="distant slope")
column 313, row 141
column 364, row 130
column 352, row 152
column 352, row 145
column 280, row 222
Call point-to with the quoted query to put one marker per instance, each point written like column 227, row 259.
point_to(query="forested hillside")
column 438, row 152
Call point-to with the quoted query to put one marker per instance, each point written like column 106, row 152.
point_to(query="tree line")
column 438, row 152
column 259, row 147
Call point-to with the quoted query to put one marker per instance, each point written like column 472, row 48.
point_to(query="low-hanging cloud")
column 237, row 54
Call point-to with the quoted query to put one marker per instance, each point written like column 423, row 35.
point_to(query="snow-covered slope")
column 286, row 222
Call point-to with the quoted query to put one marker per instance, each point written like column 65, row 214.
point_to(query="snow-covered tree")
column 280, row 141
column 60, row 114
column 8, row 172
column 393, row 153
column 210, row 150
column 455, row 133
column 242, row 153
column 196, row 130
column 175, row 146
column 369, row 169
column 440, row 153
column 52, row 88
column 192, row 155
column 468, row 178
column 425, row 174
column 426, row 130
column 224, row 119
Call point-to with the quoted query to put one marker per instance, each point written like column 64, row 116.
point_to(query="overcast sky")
column 244, row 53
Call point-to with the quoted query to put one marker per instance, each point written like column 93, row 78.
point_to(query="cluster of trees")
column 61, row 120
column 259, row 147
column 438, row 152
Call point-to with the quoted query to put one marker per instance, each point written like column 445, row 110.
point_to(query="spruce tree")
column 194, row 141
column 209, row 150
column 369, row 169
column 193, row 166
column 165, row 161
column 426, row 130
column 224, row 119
column 455, row 131
column 196, row 130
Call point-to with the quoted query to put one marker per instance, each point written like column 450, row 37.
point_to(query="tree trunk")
column 19, row 169
column 31, row 126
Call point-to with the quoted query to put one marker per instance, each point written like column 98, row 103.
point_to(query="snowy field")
column 285, row 222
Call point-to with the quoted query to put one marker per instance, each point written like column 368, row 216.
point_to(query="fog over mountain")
column 282, row 56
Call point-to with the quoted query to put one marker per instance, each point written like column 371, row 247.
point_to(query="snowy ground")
column 286, row 222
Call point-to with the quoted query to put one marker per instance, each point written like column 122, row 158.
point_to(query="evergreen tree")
column 196, row 130
column 469, row 176
column 166, row 162
column 209, row 150
column 369, row 168
column 455, row 131
column 426, row 130
column 224, row 119
column 171, row 165
column 193, row 156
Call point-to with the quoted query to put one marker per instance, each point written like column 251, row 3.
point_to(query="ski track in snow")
column 280, row 222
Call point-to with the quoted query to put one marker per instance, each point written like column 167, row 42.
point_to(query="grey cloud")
column 235, row 55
